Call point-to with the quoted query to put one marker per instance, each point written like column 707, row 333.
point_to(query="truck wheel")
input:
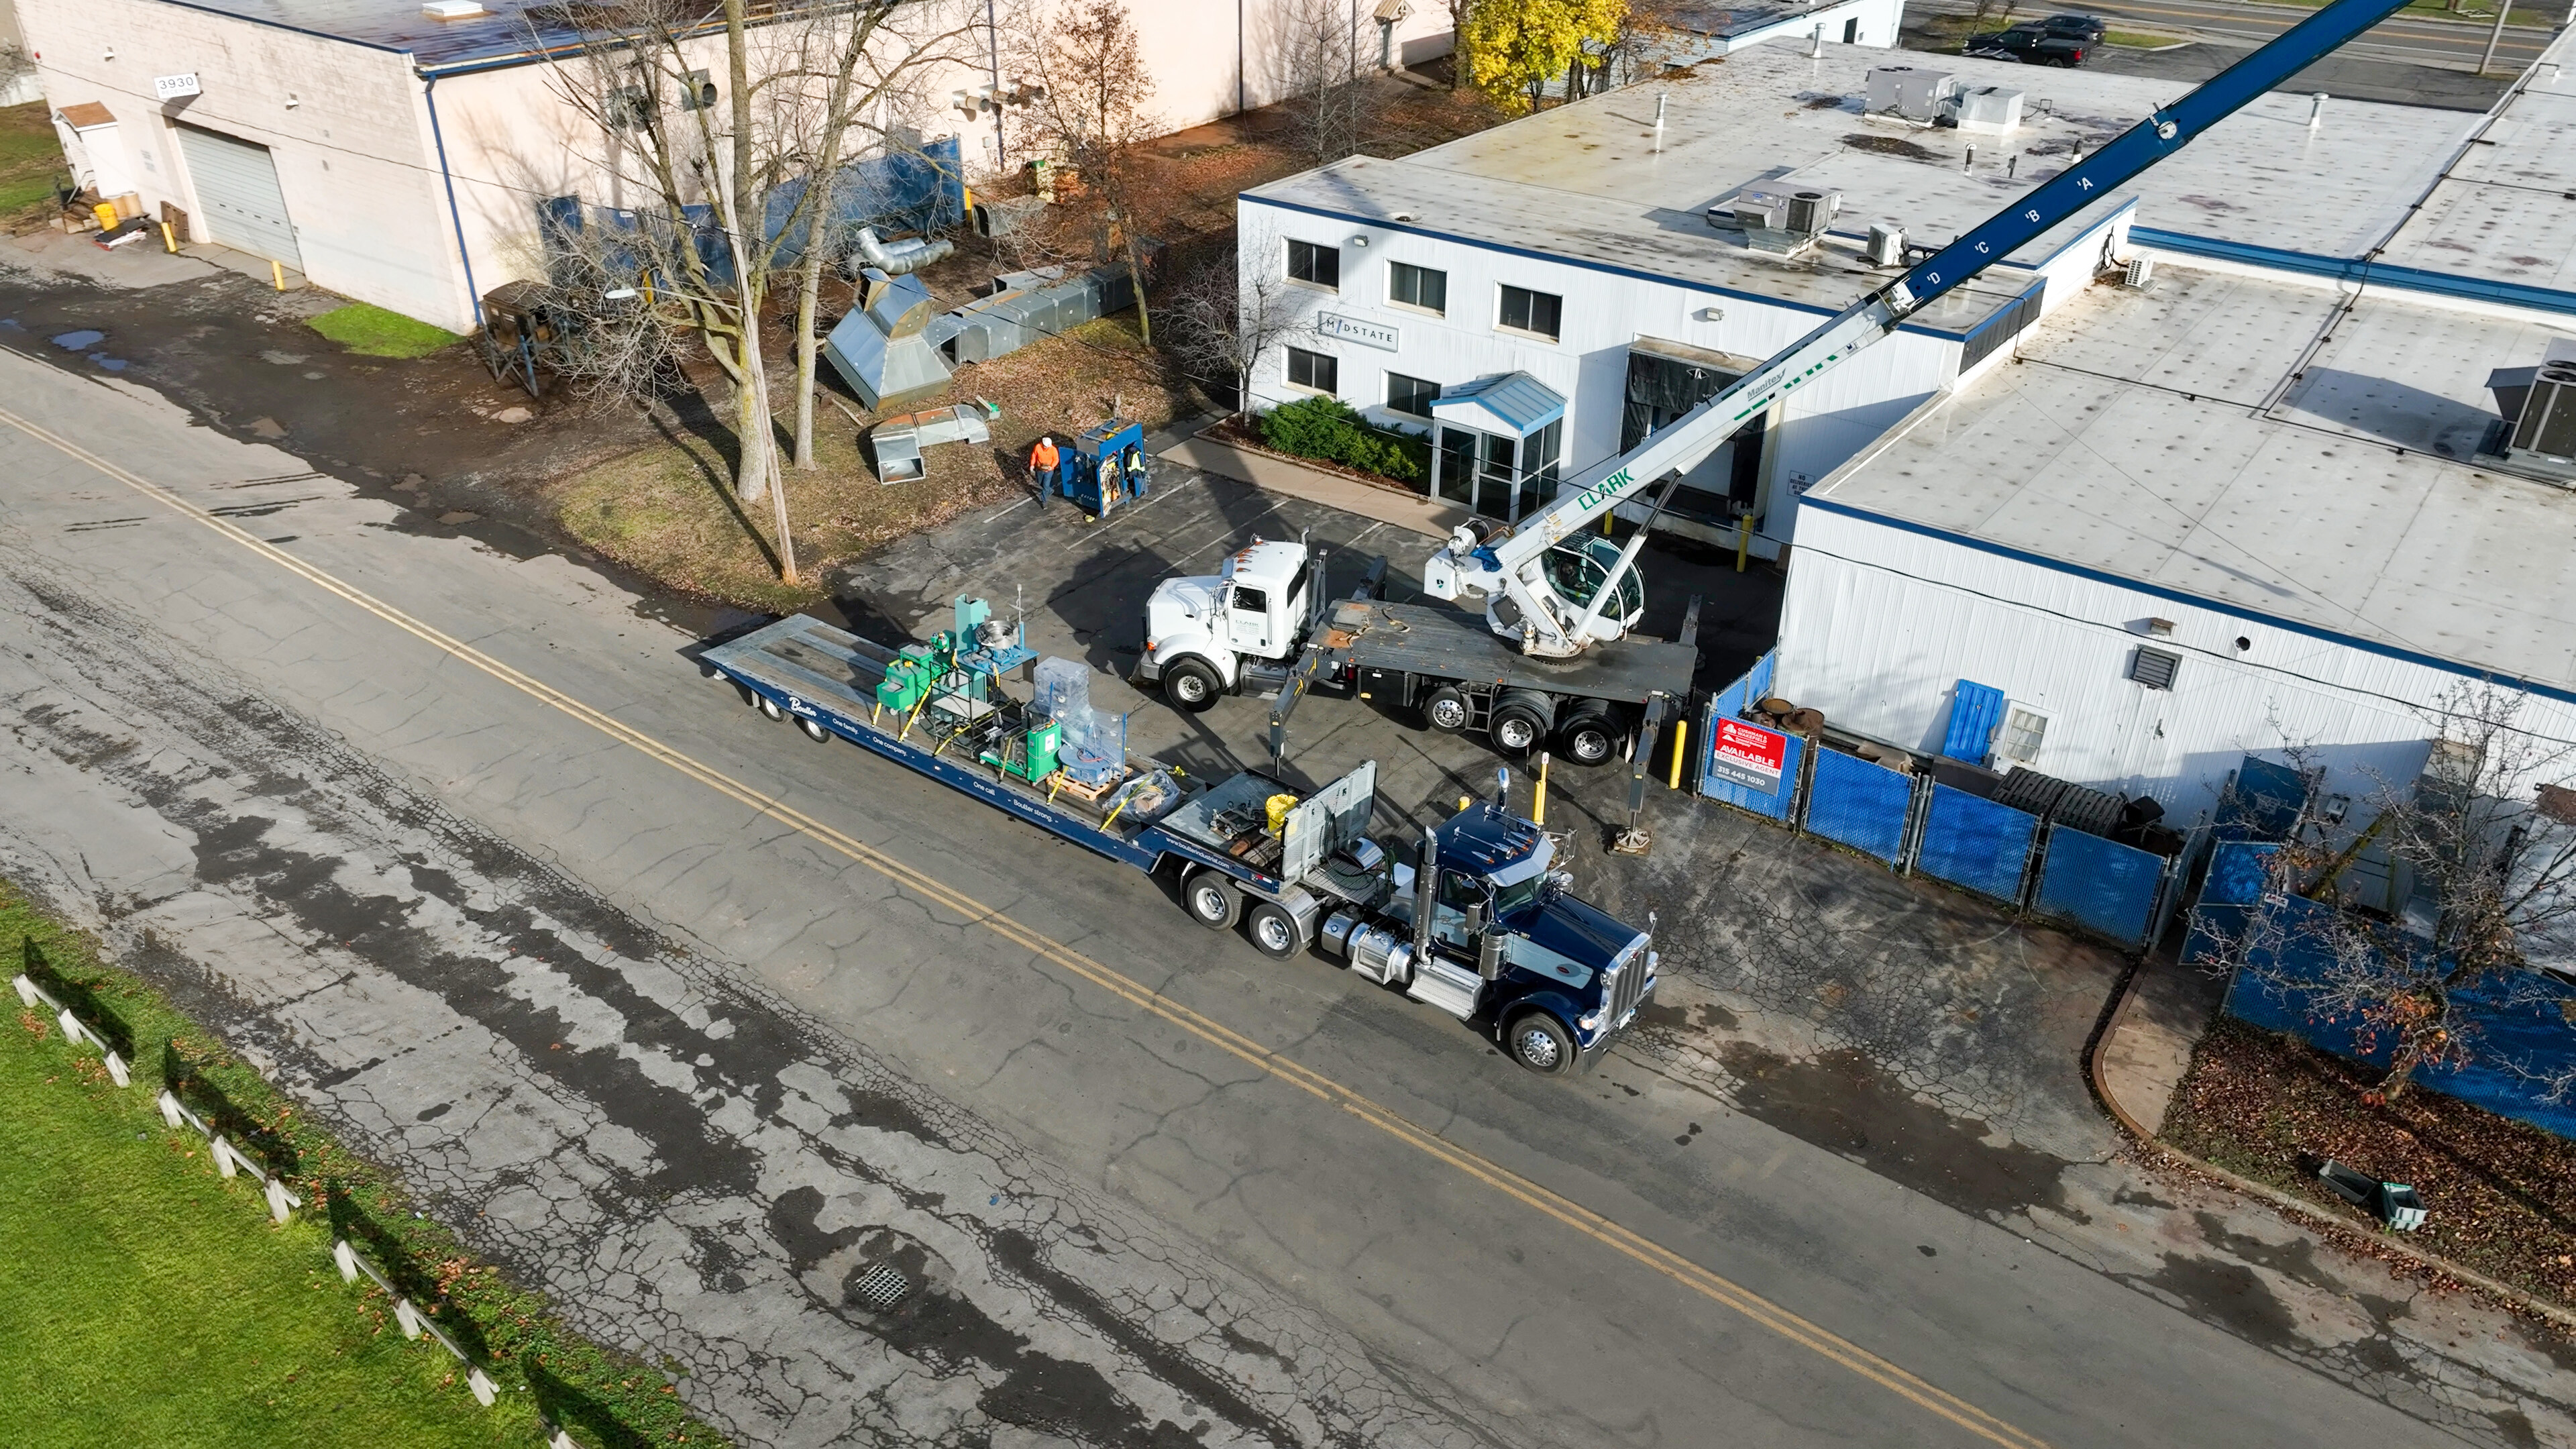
column 1517, row 727
column 1212, row 900
column 814, row 731
column 1273, row 931
column 1192, row 685
column 1445, row 709
column 1590, row 738
column 770, row 708
column 1540, row 1043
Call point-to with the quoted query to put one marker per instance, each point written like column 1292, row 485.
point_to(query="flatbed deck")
column 826, row 679
column 1452, row 644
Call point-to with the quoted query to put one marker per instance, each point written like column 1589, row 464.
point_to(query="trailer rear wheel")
column 1520, row 721
column 770, row 707
column 814, row 731
column 1192, row 685
column 1273, row 930
column 1590, row 738
column 1212, row 900
column 1540, row 1043
column 1445, row 709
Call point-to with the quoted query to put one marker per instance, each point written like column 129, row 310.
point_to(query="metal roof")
column 1514, row 403
column 2252, row 443
column 507, row 28
column 1582, row 182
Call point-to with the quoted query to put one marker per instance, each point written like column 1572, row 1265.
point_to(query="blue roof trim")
column 1591, row 266
column 2311, row 631
column 2359, row 270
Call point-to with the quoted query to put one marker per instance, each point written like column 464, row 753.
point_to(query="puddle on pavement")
column 1842, row 1101
column 79, row 341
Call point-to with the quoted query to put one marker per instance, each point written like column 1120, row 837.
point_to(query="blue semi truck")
column 1478, row 921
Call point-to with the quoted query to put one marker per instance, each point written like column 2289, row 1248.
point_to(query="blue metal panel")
column 1856, row 803
column 1976, row 711
column 2099, row 883
column 1976, row 843
column 2263, row 801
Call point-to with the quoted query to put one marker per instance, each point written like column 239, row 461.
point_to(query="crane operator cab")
column 1573, row 571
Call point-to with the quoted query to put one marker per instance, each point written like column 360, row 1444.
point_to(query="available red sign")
column 1748, row 755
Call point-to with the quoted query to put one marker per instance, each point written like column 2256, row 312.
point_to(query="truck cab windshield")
column 1519, row 896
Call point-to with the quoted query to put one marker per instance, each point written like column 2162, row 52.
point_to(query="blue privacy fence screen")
column 2099, row 883
column 1976, row 844
column 2530, row 1035
column 1856, row 803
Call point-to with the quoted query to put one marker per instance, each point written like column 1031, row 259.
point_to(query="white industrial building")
column 1599, row 263
column 397, row 151
column 2250, row 506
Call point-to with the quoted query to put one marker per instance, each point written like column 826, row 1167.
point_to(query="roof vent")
column 454, row 9
column 2155, row 668
column 1991, row 110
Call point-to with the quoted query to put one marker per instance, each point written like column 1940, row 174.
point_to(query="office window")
column 1411, row 396
column 2021, row 735
column 1318, row 370
column 1321, row 266
column 1527, row 311
column 1417, row 287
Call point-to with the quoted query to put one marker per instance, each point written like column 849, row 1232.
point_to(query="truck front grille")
column 1627, row 985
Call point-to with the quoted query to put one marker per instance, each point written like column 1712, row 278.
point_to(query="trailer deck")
column 1429, row 639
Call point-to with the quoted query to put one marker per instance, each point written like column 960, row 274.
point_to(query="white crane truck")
column 1564, row 602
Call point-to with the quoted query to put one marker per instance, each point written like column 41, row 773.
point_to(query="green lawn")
column 146, row 1300
column 31, row 156
column 375, row 332
column 2139, row 39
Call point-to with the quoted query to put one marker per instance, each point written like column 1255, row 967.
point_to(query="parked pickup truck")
column 1478, row 922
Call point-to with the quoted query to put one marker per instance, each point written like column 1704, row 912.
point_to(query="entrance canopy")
column 1513, row 405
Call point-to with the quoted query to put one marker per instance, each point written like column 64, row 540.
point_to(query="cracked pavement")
column 703, row 1079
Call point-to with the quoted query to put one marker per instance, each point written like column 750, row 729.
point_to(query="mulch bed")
column 2502, row 1193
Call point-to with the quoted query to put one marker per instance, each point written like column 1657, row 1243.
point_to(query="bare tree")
column 15, row 64
column 1218, row 326
column 728, row 174
column 2477, row 860
column 1332, row 104
column 1091, row 110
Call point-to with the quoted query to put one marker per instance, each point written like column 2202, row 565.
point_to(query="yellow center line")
column 1544, row 1201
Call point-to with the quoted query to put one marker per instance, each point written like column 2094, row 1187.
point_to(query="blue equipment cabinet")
column 1106, row 469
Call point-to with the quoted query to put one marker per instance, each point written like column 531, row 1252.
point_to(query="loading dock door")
column 238, row 195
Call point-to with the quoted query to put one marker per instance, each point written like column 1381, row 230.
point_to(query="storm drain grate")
column 881, row 1287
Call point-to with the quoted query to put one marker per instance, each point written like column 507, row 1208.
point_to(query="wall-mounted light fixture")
column 1359, row 241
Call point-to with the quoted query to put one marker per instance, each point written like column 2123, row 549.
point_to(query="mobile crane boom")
column 1514, row 567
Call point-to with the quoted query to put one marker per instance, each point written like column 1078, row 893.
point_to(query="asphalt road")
column 2441, row 42
column 691, row 1022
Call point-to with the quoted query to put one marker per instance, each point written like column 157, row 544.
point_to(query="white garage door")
column 238, row 195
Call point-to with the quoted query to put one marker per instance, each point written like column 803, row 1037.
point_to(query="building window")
column 1417, row 287
column 1411, row 396
column 1316, row 266
column 2155, row 668
column 1319, row 371
column 1527, row 311
column 2020, row 738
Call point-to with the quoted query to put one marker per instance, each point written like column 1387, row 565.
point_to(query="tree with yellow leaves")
column 1515, row 47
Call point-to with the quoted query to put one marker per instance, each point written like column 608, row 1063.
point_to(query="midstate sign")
column 1748, row 755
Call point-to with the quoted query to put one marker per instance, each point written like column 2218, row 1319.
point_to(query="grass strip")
column 151, row 1301
column 372, row 331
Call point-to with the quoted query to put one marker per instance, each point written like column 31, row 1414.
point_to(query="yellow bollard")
column 1538, row 794
column 1606, row 520
column 1743, row 540
column 277, row 274
column 1681, row 733
column 1464, row 802
column 169, row 243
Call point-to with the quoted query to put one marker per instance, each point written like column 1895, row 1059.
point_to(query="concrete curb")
column 2298, row 1208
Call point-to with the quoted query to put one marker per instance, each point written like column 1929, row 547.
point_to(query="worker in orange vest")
column 1042, row 465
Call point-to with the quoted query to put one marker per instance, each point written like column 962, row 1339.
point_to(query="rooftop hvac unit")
column 1917, row 95
column 2539, row 409
column 1886, row 245
column 1778, row 220
column 1989, row 109
column 2139, row 274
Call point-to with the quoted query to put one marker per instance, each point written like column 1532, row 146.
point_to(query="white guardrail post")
column 74, row 1029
